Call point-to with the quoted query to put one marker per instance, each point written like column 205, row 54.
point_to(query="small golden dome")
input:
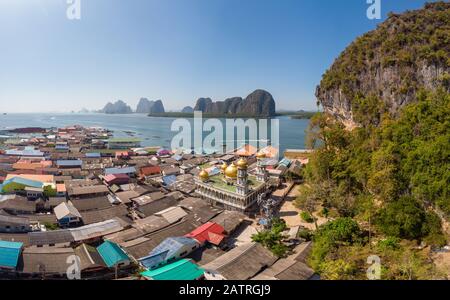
column 231, row 171
column 203, row 175
column 224, row 166
column 242, row 163
column 260, row 154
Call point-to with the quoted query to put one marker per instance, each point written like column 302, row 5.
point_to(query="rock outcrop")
column 406, row 53
column 153, row 107
column 260, row 103
column 119, row 107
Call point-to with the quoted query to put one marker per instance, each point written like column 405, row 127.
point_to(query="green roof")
column 112, row 254
column 183, row 269
column 218, row 182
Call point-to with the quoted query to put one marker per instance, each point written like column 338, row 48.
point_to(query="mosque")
column 234, row 189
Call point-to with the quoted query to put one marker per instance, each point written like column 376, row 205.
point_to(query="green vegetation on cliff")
column 402, row 41
column 384, row 70
column 381, row 165
column 395, row 175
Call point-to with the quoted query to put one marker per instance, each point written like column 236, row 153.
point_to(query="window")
column 183, row 253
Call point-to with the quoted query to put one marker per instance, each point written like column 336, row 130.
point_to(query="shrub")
column 306, row 217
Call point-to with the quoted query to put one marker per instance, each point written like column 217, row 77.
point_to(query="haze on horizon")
column 174, row 50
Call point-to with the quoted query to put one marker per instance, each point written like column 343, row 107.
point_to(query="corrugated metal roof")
column 181, row 270
column 112, row 254
column 210, row 232
column 166, row 250
column 95, row 230
column 69, row 163
column 126, row 170
column 168, row 180
column 172, row 214
column 9, row 254
column 23, row 181
column 66, row 209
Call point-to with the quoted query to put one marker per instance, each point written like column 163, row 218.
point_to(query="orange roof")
column 150, row 170
column 247, row 150
column 122, row 153
column 41, row 178
column 270, row 151
column 61, row 187
column 26, row 165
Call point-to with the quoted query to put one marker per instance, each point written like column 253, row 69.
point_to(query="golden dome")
column 231, row 171
column 203, row 175
column 242, row 163
column 260, row 154
column 224, row 166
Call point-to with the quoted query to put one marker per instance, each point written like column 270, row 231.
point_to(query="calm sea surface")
column 152, row 131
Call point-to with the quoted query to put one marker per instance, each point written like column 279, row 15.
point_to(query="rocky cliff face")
column 119, row 107
column 259, row 103
column 145, row 106
column 405, row 54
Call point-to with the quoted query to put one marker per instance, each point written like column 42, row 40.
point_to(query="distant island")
column 145, row 106
column 259, row 103
column 292, row 114
column 187, row 109
column 118, row 107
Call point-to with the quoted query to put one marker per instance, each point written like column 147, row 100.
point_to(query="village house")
column 113, row 255
column 9, row 254
column 240, row 263
column 170, row 250
column 14, row 224
column 67, row 215
column 82, row 192
column 118, row 179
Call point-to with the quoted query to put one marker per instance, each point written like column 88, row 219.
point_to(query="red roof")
column 211, row 232
column 112, row 177
column 150, row 170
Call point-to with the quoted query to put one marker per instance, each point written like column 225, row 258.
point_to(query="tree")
column 272, row 238
column 402, row 218
column 49, row 191
column 342, row 231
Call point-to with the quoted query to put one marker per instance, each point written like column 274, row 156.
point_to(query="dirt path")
column 291, row 214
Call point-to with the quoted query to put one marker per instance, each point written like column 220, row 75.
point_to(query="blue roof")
column 93, row 155
column 112, row 254
column 62, row 147
column 285, row 162
column 167, row 249
column 177, row 157
column 69, row 163
column 23, row 181
column 25, row 152
column 126, row 170
column 213, row 171
column 153, row 261
column 9, row 254
column 168, row 180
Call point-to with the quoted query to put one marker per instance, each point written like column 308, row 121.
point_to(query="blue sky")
column 174, row 50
